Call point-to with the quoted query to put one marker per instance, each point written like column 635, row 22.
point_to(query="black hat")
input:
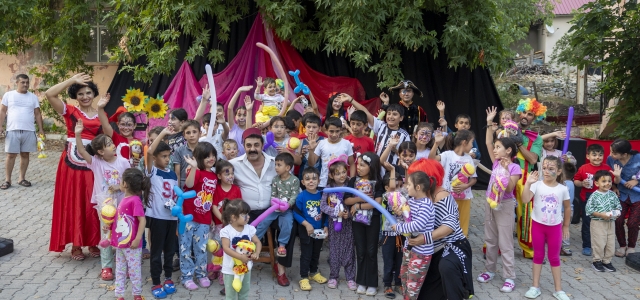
column 407, row 84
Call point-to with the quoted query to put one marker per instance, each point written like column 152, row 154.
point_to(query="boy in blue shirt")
column 308, row 214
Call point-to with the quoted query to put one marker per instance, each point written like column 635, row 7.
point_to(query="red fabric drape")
column 182, row 92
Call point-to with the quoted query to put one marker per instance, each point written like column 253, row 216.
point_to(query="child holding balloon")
column 340, row 226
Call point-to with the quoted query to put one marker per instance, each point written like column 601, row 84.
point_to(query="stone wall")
column 560, row 85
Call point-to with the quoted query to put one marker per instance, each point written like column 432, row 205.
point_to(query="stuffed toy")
column 397, row 199
column 246, row 248
column 462, row 178
column 510, row 130
column 498, row 187
column 216, row 258
column 136, row 149
column 108, row 213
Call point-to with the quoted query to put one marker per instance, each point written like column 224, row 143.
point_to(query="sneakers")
column 332, row 284
column 597, row 266
column 508, row 286
column 158, row 292
column 608, row 267
column 533, row 293
column 485, row 277
column 560, row 295
column 586, row 251
column 361, row 290
column 622, row 252
column 169, row 286
column 388, row 292
column 190, row 285
column 204, row 282
column 565, row 252
column 352, row 285
column 371, row 291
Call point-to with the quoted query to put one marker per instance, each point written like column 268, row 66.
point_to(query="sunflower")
column 134, row 100
column 156, row 108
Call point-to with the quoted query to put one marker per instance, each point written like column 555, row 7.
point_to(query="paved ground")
column 33, row 272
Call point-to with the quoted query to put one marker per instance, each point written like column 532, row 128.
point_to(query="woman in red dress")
column 74, row 218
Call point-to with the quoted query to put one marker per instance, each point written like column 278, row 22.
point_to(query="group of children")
column 334, row 151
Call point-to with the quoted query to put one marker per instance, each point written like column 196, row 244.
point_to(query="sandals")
column 106, row 274
column 25, row 183
column 5, row 185
column 319, row 278
column 76, row 254
column 282, row 252
column 94, row 252
column 304, row 284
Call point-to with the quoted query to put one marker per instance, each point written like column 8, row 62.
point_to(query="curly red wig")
column 430, row 167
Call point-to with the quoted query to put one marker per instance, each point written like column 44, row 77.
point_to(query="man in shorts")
column 20, row 107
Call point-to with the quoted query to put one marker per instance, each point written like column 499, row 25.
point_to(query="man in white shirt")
column 20, row 108
column 254, row 171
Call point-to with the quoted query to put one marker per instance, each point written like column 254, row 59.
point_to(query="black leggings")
column 366, row 240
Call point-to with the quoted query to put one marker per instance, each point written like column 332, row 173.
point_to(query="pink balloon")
column 276, row 204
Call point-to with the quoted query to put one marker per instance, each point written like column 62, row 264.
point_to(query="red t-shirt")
column 205, row 185
column 360, row 144
column 122, row 145
column 587, row 171
column 220, row 195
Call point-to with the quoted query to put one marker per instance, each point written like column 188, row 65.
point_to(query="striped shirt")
column 446, row 215
column 383, row 135
column 602, row 203
column 422, row 215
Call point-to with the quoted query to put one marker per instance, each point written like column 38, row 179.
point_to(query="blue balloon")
column 635, row 188
column 299, row 85
column 176, row 210
column 382, row 210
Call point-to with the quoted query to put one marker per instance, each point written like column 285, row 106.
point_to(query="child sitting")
column 604, row 208
column 272, row 102
column 284, row 186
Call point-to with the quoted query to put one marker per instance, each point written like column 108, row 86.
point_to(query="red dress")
column 74, row 219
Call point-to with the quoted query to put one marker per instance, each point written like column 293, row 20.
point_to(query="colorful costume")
column 74, row 218
column 413, row 114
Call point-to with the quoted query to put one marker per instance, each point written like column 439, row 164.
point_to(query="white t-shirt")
column 452, row 163
column 107, row 175
column 548, row 203
column 423, row 154
column 163, row 198
column 275, row 100
column 327, row 151
column 20, row 115
column 234, row 236
column 216, row 140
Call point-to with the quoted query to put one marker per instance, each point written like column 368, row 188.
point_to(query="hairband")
column 342, row 158
column 366, row 158
column 332, row 94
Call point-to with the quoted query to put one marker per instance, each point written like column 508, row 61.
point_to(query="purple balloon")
column 271, row 142
column 565, row 146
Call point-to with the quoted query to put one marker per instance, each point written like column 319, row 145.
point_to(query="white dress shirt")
column 256, row 190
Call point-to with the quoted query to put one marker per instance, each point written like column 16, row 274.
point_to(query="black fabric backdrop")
column 463, row 90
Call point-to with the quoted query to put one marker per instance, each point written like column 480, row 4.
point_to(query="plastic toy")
column 300, row 87
column 293, row 144
column 176, row 210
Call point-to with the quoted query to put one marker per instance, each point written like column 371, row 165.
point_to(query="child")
column 107, row 168
column 549, row 226
column 329, row 148
column 506, row 115
column 310, row 106
column 296, row 117
column 307, row 213
column 230, row 149
column 126, row 125
column 277, row 127
column 463, row 122
column 225, row 190
column 498, row 222
column 568, row 171
column 272, row 104
column 604, row 207
column 290, row 127
column 284, row 186
column 392, row 242
column 236, row 215
column 127, row 231
column 453, row 161
column 407, row 152
column 550, row 142
column 584, row 179
column 162, row 225
column 335, row 108
column 366, row 236
column 191, row 133
column 341, row 242
column 240, row 117
column 422, row 138
column 384, row 131
column 195, row 237
column 220, row 130
column 177, row 118
column 151, row 137
column 360, row 142
column 312, row 124
column 417, row 259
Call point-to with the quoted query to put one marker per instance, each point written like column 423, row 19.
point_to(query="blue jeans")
column 194, row 239
column 285, row 222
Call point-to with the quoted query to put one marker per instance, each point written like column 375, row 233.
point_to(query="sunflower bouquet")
column 143, row 108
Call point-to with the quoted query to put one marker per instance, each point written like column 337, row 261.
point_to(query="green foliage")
column 606, row 34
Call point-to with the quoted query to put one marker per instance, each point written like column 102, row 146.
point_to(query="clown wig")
column 430, row 167
column 532, row 105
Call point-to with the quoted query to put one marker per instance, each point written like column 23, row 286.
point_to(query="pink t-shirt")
column 105, row 175
column 514, row 169
column 124, row 229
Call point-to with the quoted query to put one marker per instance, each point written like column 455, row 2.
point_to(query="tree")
column 605, row 34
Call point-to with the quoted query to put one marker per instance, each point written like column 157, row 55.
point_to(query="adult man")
column 529, row 111
column 254, row 172
column 413, row 114
column 20, row 107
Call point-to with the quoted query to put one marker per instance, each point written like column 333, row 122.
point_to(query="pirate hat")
column 406, row 84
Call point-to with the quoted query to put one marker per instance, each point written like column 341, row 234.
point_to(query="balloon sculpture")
column 565, row 145
column 176, row 210
column 293, row 144
column 108, row 214
column 246, row 248
column 462, row 178
column 498, row 187
column 276, row 204
column 271, row 142
column 376, row 205
column 635, row 188
column 300, row 87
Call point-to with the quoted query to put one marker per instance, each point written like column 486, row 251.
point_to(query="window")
column 101, row 40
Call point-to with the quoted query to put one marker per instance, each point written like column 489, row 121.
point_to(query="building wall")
column 533, row 39
column 561, row 26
